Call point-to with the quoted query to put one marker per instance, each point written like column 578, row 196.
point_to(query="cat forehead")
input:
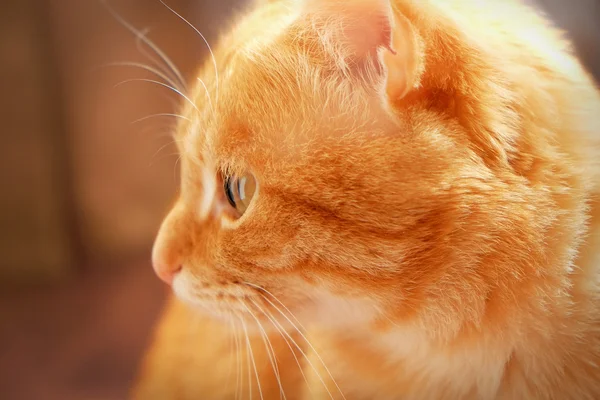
column 275, row 108
column 271, row 91
column 260, row 103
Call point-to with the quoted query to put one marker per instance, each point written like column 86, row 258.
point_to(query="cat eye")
column 239, row 191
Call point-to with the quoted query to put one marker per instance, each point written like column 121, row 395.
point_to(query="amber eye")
column 239, row 191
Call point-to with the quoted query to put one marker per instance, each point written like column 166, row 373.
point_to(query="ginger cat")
column 384, row 200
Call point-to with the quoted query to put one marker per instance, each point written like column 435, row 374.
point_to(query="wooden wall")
column 35, row 229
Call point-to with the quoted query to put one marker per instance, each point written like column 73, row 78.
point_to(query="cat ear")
column 365, row 25
column 370, row 34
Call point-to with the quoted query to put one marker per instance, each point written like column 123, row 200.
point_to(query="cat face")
column 305, row 190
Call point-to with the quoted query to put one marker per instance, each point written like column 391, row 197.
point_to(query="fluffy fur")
column 427, row 209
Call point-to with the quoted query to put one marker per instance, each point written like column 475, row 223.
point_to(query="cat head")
column 320, row 177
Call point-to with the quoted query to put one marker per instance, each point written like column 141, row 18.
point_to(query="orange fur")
column 427, row 206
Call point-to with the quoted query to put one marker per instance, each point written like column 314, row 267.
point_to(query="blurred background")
column 84, row 186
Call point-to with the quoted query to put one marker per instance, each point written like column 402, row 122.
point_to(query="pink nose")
column 167, row 253
column 166, row 272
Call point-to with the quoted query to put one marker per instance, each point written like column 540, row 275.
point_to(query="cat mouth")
column 240, row 302
column 245, row 313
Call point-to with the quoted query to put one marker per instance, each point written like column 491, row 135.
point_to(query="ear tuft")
column 365, row 25
column 359, row 30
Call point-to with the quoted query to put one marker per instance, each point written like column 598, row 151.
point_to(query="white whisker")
column 214, row 60
column 141, row 36
column 163, row 147
column 157, row 131
column 238, row 365
column 249, row 370
column 207, row 96
column 231, row 344
column 175, row 167
column 161, row 115
column 278, row 301
column 159, row 62
column 160, row 84
column 153, row 162
column 278, row 328
column 269, row 349
column 302, row 335
column 148, row 68
column 253, row 361
column 303, row 354
column 176, row 153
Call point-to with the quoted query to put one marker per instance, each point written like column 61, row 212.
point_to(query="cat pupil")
column 229, row 192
